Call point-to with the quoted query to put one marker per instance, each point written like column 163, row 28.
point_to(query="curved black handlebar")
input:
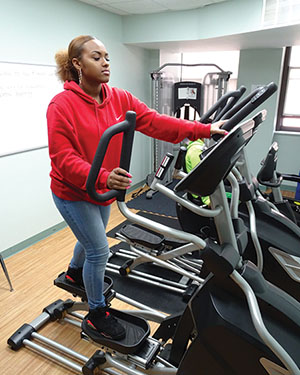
column 126, row 127
column 253, row 102
column 241, row 104
column 231, row 103
column 223, row 103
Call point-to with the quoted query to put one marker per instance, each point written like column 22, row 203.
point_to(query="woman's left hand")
column 215, row 128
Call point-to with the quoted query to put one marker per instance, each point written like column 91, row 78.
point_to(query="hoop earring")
column 79, row 76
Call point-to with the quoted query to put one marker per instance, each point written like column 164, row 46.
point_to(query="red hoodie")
column 76, row 123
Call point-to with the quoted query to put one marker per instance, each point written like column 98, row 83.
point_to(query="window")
column 280, row 12
column 288, row 117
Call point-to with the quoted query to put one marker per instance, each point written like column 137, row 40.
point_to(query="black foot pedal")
column 143, row 236
column 78, row 291
column 137, row 331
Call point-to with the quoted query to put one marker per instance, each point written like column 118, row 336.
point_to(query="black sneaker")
column 74, row 276
column 101, row 322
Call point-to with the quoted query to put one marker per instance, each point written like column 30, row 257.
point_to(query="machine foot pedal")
column 137, row 331
column 143, row 236
column 77, row 291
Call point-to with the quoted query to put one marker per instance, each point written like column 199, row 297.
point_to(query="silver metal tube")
column 178, row 251
column 223, row 221
column 178, row 174
column 128, row 252
column 122, row 366
column 262, row 331
column 54, row 356
column 184, row 264
column 151, row 282
column 60, row 347
column 181, row 64
column 76, row 315
column 196, row 262
column 189, row 205
column 253, row 232
column 234, row 202
column 73, row 322
column 151, row 277
column 276, row 190
column 157, row 227
column 158, row 279
column 243, row 167
column 170, row 266
column 40, row 321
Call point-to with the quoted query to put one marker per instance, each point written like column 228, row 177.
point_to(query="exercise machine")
column 152, row 247
column 274, row 240
column 269, row 177
column 236, row 322
column 178, row 257
column 191, row 98
column 224, row 156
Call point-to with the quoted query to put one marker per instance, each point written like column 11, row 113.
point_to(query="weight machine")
column 169, row 97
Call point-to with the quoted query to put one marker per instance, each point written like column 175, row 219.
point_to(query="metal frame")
column 6, row 272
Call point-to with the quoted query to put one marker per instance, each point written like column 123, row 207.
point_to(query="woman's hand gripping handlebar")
column 126, row 127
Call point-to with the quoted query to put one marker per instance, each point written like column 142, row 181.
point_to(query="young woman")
column 77, row 117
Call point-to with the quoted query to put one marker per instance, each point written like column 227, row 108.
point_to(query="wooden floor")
column 32, row 272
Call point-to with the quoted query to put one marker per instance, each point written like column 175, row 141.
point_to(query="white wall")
column 32, row 32
column 260, row 67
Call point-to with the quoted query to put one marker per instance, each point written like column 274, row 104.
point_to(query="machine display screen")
column 187, row 93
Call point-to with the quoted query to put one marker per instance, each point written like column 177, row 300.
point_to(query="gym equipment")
column 274, row 240
column 279, row 237
column 174, row 255
column 269, row 177
column 187, row 95
column 200, row 181
column 169, row 96
column 221, row 330
column 152, row 247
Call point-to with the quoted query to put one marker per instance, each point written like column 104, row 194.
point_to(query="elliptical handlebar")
column 231, row 103
column 223, row 103
column 241, row 104
column 126, row 127
column 253, row 102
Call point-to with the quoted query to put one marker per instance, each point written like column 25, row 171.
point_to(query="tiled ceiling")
column 130, row 7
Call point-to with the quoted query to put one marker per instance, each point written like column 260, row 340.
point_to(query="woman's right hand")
column 119, row 179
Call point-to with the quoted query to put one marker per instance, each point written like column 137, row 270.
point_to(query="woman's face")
column 94, row 62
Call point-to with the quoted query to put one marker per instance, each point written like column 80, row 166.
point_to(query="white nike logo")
column 118, row 118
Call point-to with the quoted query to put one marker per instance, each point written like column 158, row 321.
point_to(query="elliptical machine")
column 274, row 240
column 212, row 293
column 221, row 331
column 269, row 177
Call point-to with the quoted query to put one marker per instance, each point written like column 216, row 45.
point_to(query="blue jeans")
column 88, row 223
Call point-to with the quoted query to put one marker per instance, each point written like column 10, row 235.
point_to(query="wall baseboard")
column 32, row 240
